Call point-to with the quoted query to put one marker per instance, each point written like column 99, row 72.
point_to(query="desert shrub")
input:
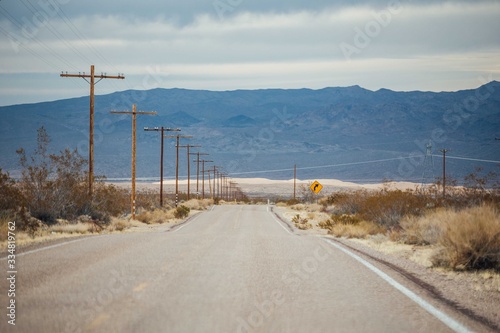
column 198, row 204
column 181, row 212
column 301, row 223
column 53, row 185
column 362, row 229
column 27, row 223
column 345, row 219
column 326, row 224
column 109, row 199
column 292, row 202
column 119, row 225
column 347, row 202
column 470, row 239
column 422, row 230
column 157, row 216
column 10, row 196
column 147, row 199
column 297, row 219
column 387, row 208
column 4, row 224
column 73, row 228
column 350, row 226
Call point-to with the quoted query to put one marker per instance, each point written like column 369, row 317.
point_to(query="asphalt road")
column 231, row 269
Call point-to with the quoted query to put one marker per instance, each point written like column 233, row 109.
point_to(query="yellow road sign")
column 316, row 187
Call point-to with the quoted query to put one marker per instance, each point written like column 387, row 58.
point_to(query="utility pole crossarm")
column 93, row 77
column 100, row 77
column 134, row 112
column 166, row 129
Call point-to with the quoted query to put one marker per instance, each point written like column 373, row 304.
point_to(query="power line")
column 324, row 166
column 468, row 159
column 16, row 39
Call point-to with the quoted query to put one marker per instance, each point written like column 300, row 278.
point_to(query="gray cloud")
column 258, row 44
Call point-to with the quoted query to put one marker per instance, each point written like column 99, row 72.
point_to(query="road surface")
column 230, row 269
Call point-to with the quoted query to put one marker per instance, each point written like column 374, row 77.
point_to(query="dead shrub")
column 387, row 208
column 362, row 229
column 347, row 202
column 157, row 216
column 119, row 225
column 350, row 226
column 301, row 222
column 470, row 239
column 344, row 219
column 74, row 228
column 423, row 230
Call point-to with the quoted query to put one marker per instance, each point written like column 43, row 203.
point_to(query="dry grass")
column 350, row 226
column 470, row 239
column 157, row 216
column 362, row 230
column 76, row 228
column 201, row 204
column 119, row 224
column 424, row 230
column 4, row 227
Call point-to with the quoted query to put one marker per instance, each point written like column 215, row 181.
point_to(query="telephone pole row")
column 188, row 165
column 177, row 137
column 162, row 130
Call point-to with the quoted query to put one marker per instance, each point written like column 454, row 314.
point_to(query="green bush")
column 181, row 212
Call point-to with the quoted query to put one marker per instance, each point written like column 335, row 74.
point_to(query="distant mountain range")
column 344, row 133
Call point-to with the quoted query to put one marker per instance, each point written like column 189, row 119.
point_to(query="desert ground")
column 263, row 187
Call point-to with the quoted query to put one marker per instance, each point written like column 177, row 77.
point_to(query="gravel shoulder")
column 474, row 294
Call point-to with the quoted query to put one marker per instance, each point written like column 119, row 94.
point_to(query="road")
column 230, row 269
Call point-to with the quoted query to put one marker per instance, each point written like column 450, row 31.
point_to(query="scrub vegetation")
column 51, row 198
column 463, row 226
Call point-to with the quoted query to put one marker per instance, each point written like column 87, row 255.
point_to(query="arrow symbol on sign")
column 316, row 186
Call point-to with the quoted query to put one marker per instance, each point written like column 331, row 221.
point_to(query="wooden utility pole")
column 92, row 83
column 198, row 154
column 177, row 137
column 203, row 176
column 217, row 176
column 189, row 165
column 444, row 151
column 162, row 130
column 134, row 114
column 294, row 180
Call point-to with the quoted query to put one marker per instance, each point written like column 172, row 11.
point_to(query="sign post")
column 316, row 187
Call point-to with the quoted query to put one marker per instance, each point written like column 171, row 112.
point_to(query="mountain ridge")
column 272, row 129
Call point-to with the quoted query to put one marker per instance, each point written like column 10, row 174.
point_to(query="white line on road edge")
column 49, row 247
column 280, row 224
column 447, row 320
column 185, row 224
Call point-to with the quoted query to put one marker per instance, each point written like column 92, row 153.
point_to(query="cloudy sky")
column 245, row 44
